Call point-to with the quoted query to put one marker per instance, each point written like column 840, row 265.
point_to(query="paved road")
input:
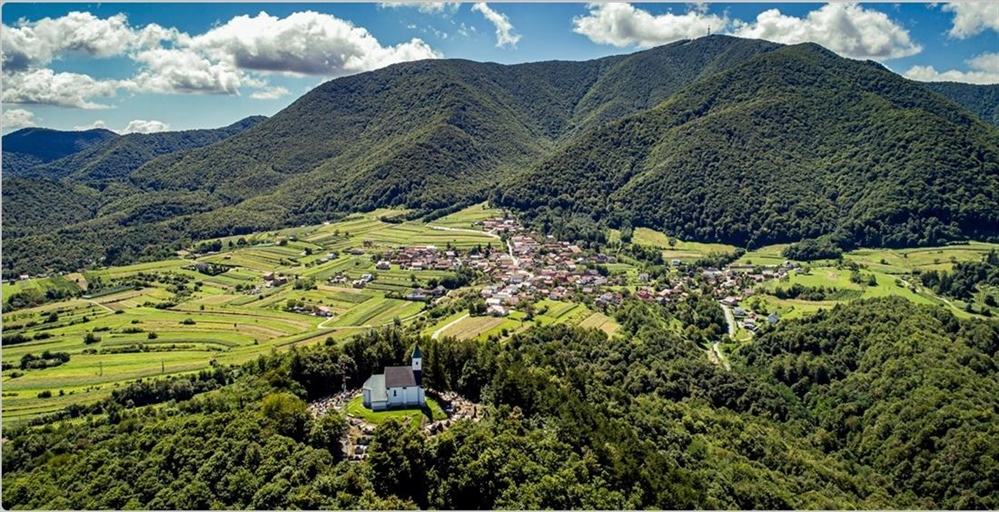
column 730, row 318
column 442, row 329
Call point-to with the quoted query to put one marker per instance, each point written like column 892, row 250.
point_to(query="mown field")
column 229, row 318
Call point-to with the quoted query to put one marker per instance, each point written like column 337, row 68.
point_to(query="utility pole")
column 100, row 365
column 162, row 366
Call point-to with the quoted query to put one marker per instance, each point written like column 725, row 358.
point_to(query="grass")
column 831, row 277
column 432, row 412
column 602, row 322
column 679, row 249
column 465, row 219
column 476, row 326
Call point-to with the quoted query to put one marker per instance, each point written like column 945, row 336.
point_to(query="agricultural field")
column 466, row 219
column 602, row 322
column 839, row 279
column 176, row 320
column 673, row 248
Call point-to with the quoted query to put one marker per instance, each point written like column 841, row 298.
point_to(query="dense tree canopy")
column 878, row 404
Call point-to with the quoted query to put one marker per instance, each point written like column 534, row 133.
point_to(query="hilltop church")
column 399, row 386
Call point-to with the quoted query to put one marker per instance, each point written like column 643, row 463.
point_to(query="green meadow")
column 217, row 317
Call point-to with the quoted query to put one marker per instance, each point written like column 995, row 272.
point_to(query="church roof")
column 399, row 377
column 416, row 352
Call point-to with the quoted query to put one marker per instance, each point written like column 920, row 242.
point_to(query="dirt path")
column 98, row 304
column 442, row 329
column 442, row 228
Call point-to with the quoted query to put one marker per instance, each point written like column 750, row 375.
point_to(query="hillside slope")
column 982, row 100
column 708, row 139
column 28, row 147
column 793, row 144
column 117, row 157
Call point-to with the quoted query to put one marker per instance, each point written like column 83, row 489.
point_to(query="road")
column 94, row 302
column 509, row 247
column 730, row 319
column 476, row 231
column 442, row 329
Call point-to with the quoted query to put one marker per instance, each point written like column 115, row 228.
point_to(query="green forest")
column 874, row 404
column 706, row 140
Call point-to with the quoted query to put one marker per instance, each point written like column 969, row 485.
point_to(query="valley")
column 304, row 286
column 716, row 273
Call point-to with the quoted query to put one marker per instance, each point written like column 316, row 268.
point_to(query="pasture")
column 466, row 219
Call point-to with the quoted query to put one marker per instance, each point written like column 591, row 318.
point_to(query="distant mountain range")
column 714, row 139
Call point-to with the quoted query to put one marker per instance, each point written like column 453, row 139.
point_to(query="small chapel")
column 397, row 387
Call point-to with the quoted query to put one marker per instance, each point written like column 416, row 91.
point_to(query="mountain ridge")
column 431, row 135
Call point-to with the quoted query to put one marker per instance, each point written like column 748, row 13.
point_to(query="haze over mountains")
column 716, row 139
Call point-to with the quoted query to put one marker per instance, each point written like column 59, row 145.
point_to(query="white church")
column 398, row 387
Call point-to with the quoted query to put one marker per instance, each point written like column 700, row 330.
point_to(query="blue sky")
column 152, row 67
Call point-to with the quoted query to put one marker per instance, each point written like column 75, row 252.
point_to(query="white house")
column 399, row 386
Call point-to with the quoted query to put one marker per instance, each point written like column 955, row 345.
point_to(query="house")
column 739, row 312
column 497, row 310
column 417, row 295
column 772, row 319
column 397, row 387
column 382, row 265
column 268, row 276
column 324, row 311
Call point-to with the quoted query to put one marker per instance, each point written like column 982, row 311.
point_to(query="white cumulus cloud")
column 504, row 29
column 624, row 25
column 972, row 18
column 270, row 93
column 46, row 87
column 983, row 69
column 39, row 42
column 305, row 43
column 143, row 126
column 227, row 58
column 17, row 118
column 96, row 124
column 847, row 29
column 432, row 7
column 170, row 71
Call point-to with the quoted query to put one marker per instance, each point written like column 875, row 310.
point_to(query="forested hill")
column 28, row 147
column 879, row 404
column 793, row 144
column 117, row 157
column 432, row 133
column 983, row 100
column 716, row 138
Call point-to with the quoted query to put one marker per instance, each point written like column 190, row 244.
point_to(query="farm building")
column 398, row 386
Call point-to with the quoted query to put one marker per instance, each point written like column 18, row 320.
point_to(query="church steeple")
column 417, row 365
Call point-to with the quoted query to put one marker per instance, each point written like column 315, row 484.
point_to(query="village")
column 535, row 267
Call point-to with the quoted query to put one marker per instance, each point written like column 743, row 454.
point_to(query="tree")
column 397, row 461
column 327, row 432
column 288, row 414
